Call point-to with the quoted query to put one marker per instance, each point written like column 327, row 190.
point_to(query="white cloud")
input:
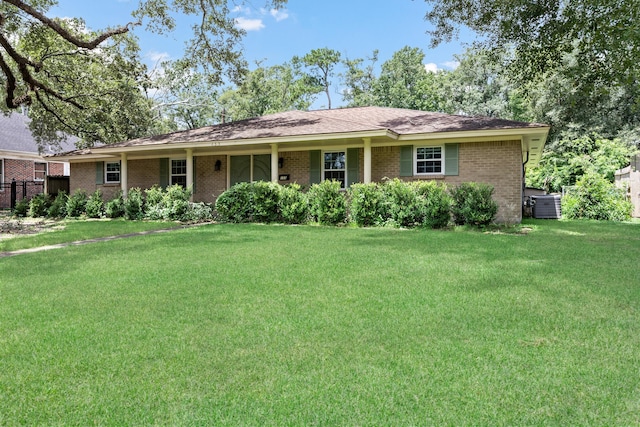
column 249, row 24
column 431, row 67
column 451, row 64
column 279, row 14
column 158, row 56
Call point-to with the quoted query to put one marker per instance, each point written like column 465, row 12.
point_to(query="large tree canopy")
column 604, row 35
column 89, row 83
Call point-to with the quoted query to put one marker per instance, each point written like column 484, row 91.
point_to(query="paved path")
column 97, row 239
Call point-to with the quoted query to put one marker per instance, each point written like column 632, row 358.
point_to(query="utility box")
column 547, row 206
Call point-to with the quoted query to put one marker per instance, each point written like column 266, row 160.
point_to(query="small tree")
column 594, row 197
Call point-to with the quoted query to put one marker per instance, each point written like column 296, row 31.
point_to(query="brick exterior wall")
column 23, row 170
column 498, row 163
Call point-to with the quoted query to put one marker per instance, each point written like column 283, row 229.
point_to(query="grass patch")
column 274, row 325
column 48, row 232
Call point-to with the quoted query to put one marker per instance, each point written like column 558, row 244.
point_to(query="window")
column 335, row 166
column 1, row 174
column 429, row 160
column 111, row 172
column 39, row 171
column 179, row 172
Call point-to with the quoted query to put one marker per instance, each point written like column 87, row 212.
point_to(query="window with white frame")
column 1, row 174
column 179, row 172
column 335, row 166
column 39, row 171
column 429, row 160
column 111, row 172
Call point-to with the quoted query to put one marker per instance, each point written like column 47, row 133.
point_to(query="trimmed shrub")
column 367, row 205
column 473, row 204
column 153, row 196
column 436, row 204
column 115, row 207
column 266, row 201
column 77, row 204
column 596, row 198
column 328, row 203
column 236, row 204
column 404, row 207
column 22, row 208
column 133, row 205
column 175, row 203
column 39, row 205
column 199, row 212
column 95, row 205
column 58, row 208
column 294, row 204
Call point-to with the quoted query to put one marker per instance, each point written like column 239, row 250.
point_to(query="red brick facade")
column 24, row 170
column 497, row 163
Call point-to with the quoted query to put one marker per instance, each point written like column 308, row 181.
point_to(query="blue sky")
column 353, row 27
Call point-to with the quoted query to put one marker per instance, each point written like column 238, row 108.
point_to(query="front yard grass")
column 280, row 325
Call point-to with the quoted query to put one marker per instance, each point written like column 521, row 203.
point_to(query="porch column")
column 190, row 170
column 367, row 160
column 274, row 162
column 124, row 179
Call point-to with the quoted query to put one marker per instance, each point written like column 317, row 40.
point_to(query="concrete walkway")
column 97, row 239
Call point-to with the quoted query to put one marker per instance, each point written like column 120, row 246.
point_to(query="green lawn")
column 275, row 325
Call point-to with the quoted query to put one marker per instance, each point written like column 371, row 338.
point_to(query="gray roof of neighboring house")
column 15, row 135
column 337, row 121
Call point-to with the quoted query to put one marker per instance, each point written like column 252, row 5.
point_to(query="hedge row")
column 391, row 203
column 170, row 204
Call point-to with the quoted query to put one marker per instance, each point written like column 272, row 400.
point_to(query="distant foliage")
column 328, row 203
column 594, row 197
column 473, row 204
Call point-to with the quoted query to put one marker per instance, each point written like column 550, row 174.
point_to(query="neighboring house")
column 365, row 144
column 630, row 177
column 21, row 161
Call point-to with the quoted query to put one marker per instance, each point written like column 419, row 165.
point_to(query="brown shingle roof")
column 302, row 124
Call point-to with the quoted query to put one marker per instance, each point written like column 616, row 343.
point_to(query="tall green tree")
column 404, row 82
column 34, row 47
column 603, row 35
column 321, row 64
column 267, row 90
column 358, row 81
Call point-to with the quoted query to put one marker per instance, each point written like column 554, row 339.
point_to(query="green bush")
column 39, row 205
column 58, row 208
column 175, row 203
column 328, row 203
column 133, row 205
column 77, row 204
column 153, row 196
column 236, row 204
column 294, row 204
column 266, row 201
column 115, row 207
column 367, row 205
column 404, row 207
column 199, row 212
column 95, row 205
column 472, row 204
column 436, row 204
column 22, row 208
column 594, row 197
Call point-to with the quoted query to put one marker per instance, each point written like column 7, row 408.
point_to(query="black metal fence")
column 14, row 191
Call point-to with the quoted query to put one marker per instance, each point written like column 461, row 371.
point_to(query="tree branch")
column 92, row 44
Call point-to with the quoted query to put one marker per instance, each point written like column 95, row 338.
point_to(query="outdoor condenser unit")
column 547, row 206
